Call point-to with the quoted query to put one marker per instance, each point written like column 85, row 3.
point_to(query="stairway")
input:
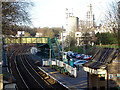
column 56, row 48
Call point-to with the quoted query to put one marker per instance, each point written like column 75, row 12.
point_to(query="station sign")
column 118, row 75
column 101, row 75
column 110, row 76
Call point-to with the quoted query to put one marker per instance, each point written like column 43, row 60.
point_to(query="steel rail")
column 20, row 74
column 37, row 72
column 18, row 69
column 14, row 54
column 30, row 73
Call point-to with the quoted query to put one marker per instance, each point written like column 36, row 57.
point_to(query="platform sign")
column 110, row 76
column 101, row 75
column 118, row 75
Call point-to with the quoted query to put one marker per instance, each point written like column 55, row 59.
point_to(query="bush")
column 77, row 49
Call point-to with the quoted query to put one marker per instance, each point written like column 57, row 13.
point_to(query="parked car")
column 79, row 56
column 69, row 53
column 87, row 57
column 80, row 62
column 1, row 62
column 74, row 55
column 13, row 86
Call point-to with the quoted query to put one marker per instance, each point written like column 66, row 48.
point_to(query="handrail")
column 58, row 44
column 54, row 40
column 49, row 43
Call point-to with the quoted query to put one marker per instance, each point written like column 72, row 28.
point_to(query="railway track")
column 14, row 69
column 26, row 76
column 50, row 80
column 37, row 77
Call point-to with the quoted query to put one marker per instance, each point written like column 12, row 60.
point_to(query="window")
column 102, row 78
column 80, row 62
column 110, row 76
column 94, row 88
column 102, row 88
column 85, row 61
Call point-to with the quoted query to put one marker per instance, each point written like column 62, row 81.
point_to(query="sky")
column 51, row 13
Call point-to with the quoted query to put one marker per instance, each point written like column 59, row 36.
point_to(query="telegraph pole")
column 62, row 44
column 118, row 36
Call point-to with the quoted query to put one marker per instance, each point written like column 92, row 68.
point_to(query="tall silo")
column 72, row 25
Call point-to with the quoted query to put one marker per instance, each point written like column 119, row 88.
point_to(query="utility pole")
column 62, row 44
column 50, row 57
column 118, row 36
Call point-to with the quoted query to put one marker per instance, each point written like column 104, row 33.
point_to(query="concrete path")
column 80, row 82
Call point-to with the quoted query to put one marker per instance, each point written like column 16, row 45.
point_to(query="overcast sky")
column 51, row 13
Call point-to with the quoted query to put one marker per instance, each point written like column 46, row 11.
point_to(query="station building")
column 103, row 70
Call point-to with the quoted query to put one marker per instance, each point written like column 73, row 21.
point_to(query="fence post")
column 72, row 71
column 42, row 62
column 75, row 72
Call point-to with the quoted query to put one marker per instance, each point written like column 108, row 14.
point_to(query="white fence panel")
column 45, row 63
column 71, row 70
column 53, row 63
column 61, row 64
column 75, row 72
column 57, row 62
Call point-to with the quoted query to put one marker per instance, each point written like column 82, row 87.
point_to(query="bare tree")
column 14, row 14
column 70, row 42
column 112, row 17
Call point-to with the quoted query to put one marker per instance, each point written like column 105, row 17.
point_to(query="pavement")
column 80, row 82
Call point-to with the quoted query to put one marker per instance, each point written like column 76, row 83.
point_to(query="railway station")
column 43, row 64
column 49, row 69
column 60, row 45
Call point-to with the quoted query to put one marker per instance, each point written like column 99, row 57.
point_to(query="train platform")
column 80, row 82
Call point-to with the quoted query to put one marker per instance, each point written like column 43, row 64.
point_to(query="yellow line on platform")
column 1, row 81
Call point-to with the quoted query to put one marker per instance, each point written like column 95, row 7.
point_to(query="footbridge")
column 53, row 44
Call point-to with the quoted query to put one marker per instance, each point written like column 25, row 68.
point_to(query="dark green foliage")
column 106, row 38
column 77, row 49
column 86, row 38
